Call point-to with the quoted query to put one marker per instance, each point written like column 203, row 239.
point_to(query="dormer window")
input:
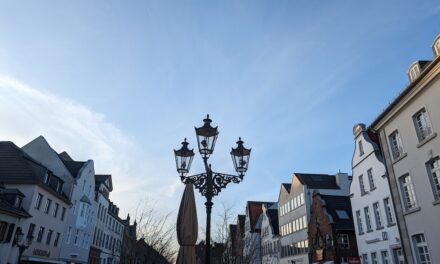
column 414, row 71
column 436, row 46
column 17, row 203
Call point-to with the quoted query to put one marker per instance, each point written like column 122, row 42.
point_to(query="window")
column 38, row 201
column 361, row 184
column 69, row 233
column 55, row 210
column 49, row 237
column 47, row 207
column 63, row 213
column 407, row 189
column 40, row 234
column 396, row 145
column 76, row 237
column 18, row 201
column 388, row 210
column 368, row 218
column 376, row 209
column 370, row 179
column 421, row 249
column 414, row 72
column 57, row 239
column 361, row 148
column 3, row 229
column 437, row 47
column 385, row 258
column 373, row 258
column 31, row 230
column 359, row 222
column 364, row 259
column 434, row 172
column 344, row 241
column 422, row 124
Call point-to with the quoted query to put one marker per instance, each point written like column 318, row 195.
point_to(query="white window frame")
column 371, row 179
column 408, row 194
column 422, row 245
column 362, row 184
column 374, row 257
column 359, row 222
column 395, row 144
column 414, row 72
column 385, row 257
column 368, row 219
column 388, row 210
column 344, row 241
column 434, row 176
column 422, row 124
column 377, row 216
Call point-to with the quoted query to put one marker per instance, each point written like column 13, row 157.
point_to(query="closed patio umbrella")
column 187, row 227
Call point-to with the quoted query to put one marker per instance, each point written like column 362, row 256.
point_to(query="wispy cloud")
column 27, row 112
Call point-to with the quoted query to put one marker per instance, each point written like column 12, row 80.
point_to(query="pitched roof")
column 7, row 208
column 102, row 178
column 17, row 167
column 65, row 156
column 273, row 216
column 333, row 204
column 287, row 186
column 317, row 181
column 72, row 165
column 254, row 209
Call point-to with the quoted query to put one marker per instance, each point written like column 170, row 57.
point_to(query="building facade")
column 331, row 230
column 45, row 199
column 81, row 220
column 376, row 226
column 11, row 216
column 294, row 203
column 270, row 237
column 408, row 130
column 252, row 232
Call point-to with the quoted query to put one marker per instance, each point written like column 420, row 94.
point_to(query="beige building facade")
column 408, row 130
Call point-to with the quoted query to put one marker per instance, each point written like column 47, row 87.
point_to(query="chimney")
column 343, row 180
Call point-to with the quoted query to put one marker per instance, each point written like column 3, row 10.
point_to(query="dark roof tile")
column 317, row 181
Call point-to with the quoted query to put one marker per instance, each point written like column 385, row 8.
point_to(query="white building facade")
column 46, row 200
column 408, row 131
column 377, row 232
column 270, row 238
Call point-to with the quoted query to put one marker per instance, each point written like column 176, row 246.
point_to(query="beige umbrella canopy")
column 187, row 227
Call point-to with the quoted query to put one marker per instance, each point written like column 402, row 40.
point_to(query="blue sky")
column 123, row 82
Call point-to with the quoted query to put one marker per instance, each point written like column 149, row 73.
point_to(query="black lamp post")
column 210, row 183
column 22, row 246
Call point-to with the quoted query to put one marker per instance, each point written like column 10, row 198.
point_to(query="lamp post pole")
column 210, row 183
column 22, row 246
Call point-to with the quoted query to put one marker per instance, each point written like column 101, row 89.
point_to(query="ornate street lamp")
column 22, row 246
column 210, row 183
